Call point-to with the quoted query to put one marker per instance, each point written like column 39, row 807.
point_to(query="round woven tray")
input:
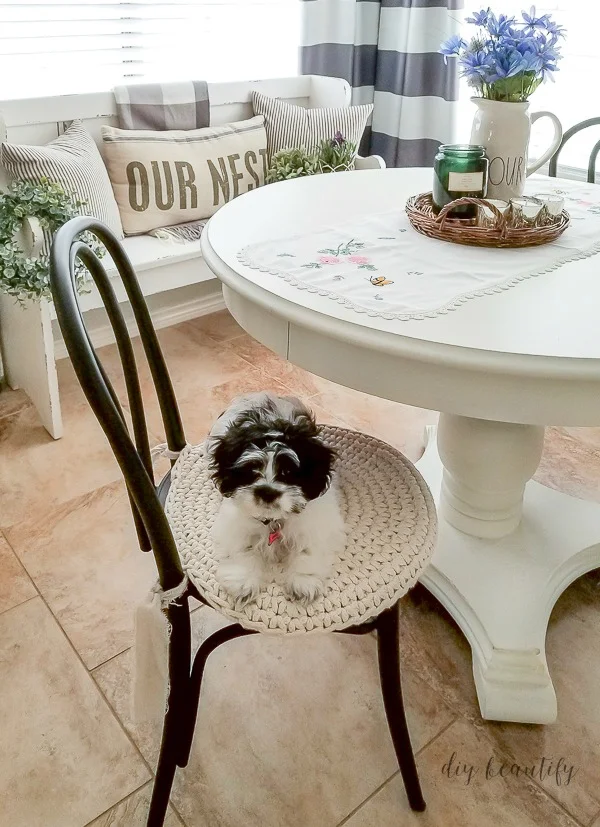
column 390, row 531
column 420, row 213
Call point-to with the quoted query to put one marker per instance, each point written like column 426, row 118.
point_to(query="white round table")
column 499, row 369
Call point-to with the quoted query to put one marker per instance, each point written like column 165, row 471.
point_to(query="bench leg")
column 28, row 357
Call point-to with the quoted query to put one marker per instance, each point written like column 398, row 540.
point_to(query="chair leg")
column 389, row 671
column 174, row 726
column 195, row 686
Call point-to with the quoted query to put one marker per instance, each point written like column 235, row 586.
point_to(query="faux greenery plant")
column 335, row 155
column 22, row 276
column 291, row 163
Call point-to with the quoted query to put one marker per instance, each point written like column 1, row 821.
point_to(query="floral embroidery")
column 285, row 255
column 329, row 260
column 346, row 248
column 312, row 265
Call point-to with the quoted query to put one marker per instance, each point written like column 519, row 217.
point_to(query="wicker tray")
column 465, row 231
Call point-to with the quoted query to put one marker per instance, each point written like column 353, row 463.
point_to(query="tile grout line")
column 540, row 787
column 89, row 673
column 110, row 708
column 125, row 798
column 436, row 736
column 110, row 659
column 18, row 605
column 381, row 786
column 367, row 799
column 19, row 561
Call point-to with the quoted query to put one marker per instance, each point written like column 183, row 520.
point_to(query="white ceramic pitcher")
column 504, row 130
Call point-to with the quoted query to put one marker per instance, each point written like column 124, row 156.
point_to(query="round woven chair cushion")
column 390, row 523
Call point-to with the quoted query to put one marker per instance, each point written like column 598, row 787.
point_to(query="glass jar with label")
column 459, row 170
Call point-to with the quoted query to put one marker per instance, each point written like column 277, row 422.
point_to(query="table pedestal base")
column 501, row 591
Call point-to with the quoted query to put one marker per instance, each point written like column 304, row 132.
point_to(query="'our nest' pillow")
column 73, row 161
column 165, row 178
column 289, row 126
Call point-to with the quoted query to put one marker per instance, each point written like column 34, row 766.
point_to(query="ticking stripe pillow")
column 73, row 161
column 289, row 126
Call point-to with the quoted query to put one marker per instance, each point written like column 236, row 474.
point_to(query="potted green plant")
column 23, row 276
column 336, row 155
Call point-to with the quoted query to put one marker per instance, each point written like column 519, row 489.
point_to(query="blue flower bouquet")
column 507, row 59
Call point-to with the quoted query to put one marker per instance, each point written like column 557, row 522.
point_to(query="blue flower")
column 507, row 65
column 534, row 22
column 476, row 67
column 480, row 18
column 452, row 46
column 524, row 52
column 499, row 26
column 554, row 28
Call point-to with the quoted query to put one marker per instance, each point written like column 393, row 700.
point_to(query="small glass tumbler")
column 525, row 212
column 487, row 217
column 553, row 206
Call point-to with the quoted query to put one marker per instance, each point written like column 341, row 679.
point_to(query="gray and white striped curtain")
column 387, row 50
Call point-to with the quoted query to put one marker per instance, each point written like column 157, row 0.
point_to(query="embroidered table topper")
column 381, row 266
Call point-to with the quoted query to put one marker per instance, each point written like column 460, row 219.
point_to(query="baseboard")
column 165, row 315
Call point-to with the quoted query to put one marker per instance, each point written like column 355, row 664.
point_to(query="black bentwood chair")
column 388, row 510
column 574, row 130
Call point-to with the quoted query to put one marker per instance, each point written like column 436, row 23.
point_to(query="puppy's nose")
column 266, row 493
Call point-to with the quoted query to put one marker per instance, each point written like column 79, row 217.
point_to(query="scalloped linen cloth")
column 391, row 530
column 381, row 266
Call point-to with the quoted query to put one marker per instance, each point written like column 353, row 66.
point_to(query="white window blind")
column 572, row 97
column 49, row 47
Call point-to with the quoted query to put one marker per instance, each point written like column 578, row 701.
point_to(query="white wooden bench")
column 170, row 273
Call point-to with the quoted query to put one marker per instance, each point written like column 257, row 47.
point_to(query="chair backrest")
column 132, row 454
column 591, row 173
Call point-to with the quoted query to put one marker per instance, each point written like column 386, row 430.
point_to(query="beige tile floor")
column 291, row 733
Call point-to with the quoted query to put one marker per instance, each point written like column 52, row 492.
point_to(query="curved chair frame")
column 147, row 499
column 591, row 172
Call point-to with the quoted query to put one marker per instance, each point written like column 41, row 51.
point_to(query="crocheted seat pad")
column 391, row 529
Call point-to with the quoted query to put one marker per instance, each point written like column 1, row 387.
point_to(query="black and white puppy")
column 279, row 520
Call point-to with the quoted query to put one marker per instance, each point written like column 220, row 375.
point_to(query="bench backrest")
column 39, row 120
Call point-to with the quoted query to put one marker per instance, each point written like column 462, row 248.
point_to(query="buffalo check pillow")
column 289, row 126
column 179, row 176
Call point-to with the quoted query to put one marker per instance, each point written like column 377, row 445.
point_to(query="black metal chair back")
column 574, row 130
column 133, row 455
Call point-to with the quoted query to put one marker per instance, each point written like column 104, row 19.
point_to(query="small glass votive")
column 552, row 205
column 487, row 217
column 525, row 212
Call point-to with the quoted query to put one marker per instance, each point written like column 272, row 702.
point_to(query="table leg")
column 507, row 549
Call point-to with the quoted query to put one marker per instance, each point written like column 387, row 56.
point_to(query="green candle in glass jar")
column 459, row 170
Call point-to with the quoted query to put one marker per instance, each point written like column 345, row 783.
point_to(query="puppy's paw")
column 242, row 586
column 305, row 588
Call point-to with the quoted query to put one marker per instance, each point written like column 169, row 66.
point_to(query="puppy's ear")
column 316, row 458
column 224, row 451
column 316, row 465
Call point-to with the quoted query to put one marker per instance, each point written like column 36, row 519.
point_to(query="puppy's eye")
column 286, row 469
